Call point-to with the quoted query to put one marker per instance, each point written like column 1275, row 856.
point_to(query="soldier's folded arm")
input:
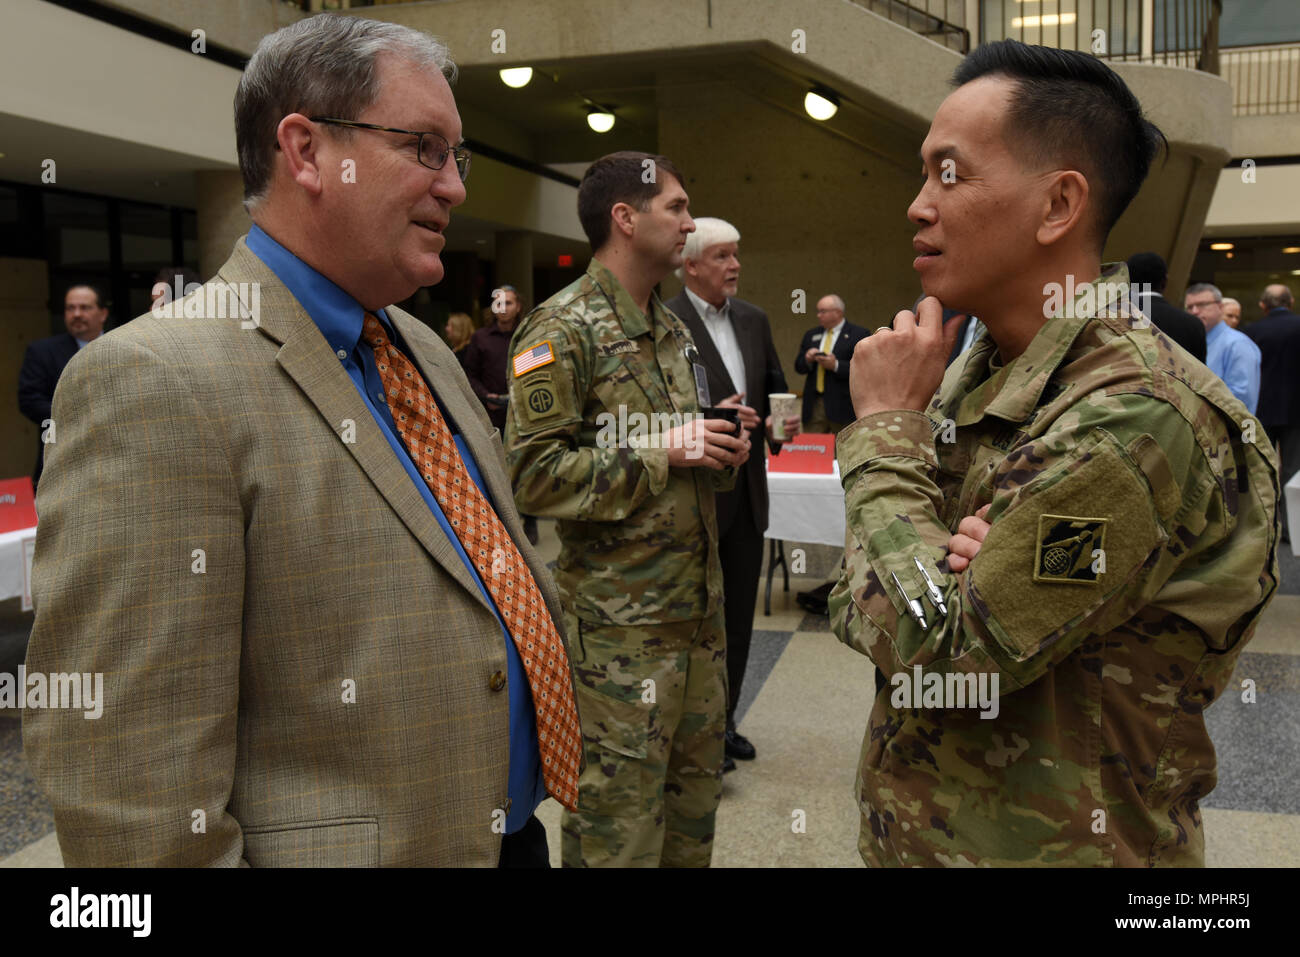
column 1079, row 521
column 138, row 575
column 555, row 471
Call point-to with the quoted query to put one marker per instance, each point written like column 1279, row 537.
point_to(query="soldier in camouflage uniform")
column 638, row 572
column 1082, row 511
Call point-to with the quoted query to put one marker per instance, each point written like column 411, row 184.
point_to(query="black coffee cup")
column 731, row 415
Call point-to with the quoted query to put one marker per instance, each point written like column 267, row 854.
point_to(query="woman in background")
column 459, row 329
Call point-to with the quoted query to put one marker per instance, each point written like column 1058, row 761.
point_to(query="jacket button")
column 497, row 681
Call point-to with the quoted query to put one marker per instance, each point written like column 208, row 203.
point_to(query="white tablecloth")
column 810, row 508
column 12, row 562
column 806, row 508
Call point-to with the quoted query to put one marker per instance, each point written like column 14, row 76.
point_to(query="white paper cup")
column 783, row 404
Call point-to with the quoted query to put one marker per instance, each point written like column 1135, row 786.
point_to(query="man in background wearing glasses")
column 285, row 534
column 1229, row 354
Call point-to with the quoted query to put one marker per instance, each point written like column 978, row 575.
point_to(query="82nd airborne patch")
column 539, row 396
column 1071, row 550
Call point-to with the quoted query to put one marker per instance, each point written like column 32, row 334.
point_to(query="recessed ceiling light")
column 516, row 76
column 1221, row 246
column 1285, row 249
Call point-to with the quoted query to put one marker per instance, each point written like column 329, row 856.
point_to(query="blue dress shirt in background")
column 1235, row 359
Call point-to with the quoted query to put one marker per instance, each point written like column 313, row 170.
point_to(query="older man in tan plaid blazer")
column 298, row 667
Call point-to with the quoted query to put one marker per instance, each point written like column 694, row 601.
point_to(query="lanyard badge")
column 701, row 377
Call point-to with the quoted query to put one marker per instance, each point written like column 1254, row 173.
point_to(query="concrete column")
column 221, row 217
column 514, row 265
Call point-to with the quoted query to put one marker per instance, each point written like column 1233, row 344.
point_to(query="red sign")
column 811, row 453
column 17, row 504
column 564, row 259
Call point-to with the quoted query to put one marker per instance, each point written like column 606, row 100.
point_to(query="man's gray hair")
column 326, row 65
column 1276, row 295
column 1196, row 288
column 709, row 231
column 839, row 303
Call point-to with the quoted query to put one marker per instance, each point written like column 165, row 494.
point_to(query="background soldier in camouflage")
column 638, row 572
column 1064, row 420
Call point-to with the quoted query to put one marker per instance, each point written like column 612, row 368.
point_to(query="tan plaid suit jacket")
column 226, row 737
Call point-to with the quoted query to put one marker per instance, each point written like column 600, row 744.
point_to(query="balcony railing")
column 937, row 19
column 1181, row 33
column 1265, row 79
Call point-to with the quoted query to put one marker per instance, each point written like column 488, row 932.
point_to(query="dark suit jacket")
column 1278, row 338
column 839, row 407
column 763, row 375
column 485, row 360
column 1182, row 327
column 42, row 366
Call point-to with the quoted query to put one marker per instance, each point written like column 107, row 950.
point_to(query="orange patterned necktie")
column 493, row 552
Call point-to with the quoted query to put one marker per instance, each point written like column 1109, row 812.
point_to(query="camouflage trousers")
column 653, row 704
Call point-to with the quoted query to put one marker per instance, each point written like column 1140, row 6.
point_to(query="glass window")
column 146, row 248
column 190, row 239
column 1249, row 22
column 76, row 245
column 1066, row 24
column 1243, row 271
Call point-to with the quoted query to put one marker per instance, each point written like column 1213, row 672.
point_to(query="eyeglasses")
column 432, row 148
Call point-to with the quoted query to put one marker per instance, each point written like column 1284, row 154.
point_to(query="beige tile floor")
column 807, row 723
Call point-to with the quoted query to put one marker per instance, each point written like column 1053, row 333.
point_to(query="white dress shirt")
column 723, row 333
column 829, row 350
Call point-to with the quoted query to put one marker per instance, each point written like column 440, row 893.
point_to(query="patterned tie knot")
column 372, row 330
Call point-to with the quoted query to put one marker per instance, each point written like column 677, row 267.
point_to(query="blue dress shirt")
column 1235, row 359
column 339, row 318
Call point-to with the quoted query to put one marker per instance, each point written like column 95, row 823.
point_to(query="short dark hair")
column 169, row 274
column 101, row 300
column 1148, row 269
column 617, row 178
column 1071, row 108
column 506, row 287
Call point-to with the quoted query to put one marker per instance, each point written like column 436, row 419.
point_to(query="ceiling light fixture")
column 516, row 76
column 1220, row 247
column 600, row 119
column 820, row 103
column 1044, row 20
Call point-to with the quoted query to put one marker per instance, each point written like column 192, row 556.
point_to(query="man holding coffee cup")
column 638, row 571
column 735, row 345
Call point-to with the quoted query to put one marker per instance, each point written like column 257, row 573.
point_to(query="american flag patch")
column 534, row 358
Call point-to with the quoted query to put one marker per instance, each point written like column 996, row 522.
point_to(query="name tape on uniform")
column 534, row 358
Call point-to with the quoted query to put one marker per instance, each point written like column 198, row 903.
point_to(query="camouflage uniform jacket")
column 639, row 539
column 1131, row 554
